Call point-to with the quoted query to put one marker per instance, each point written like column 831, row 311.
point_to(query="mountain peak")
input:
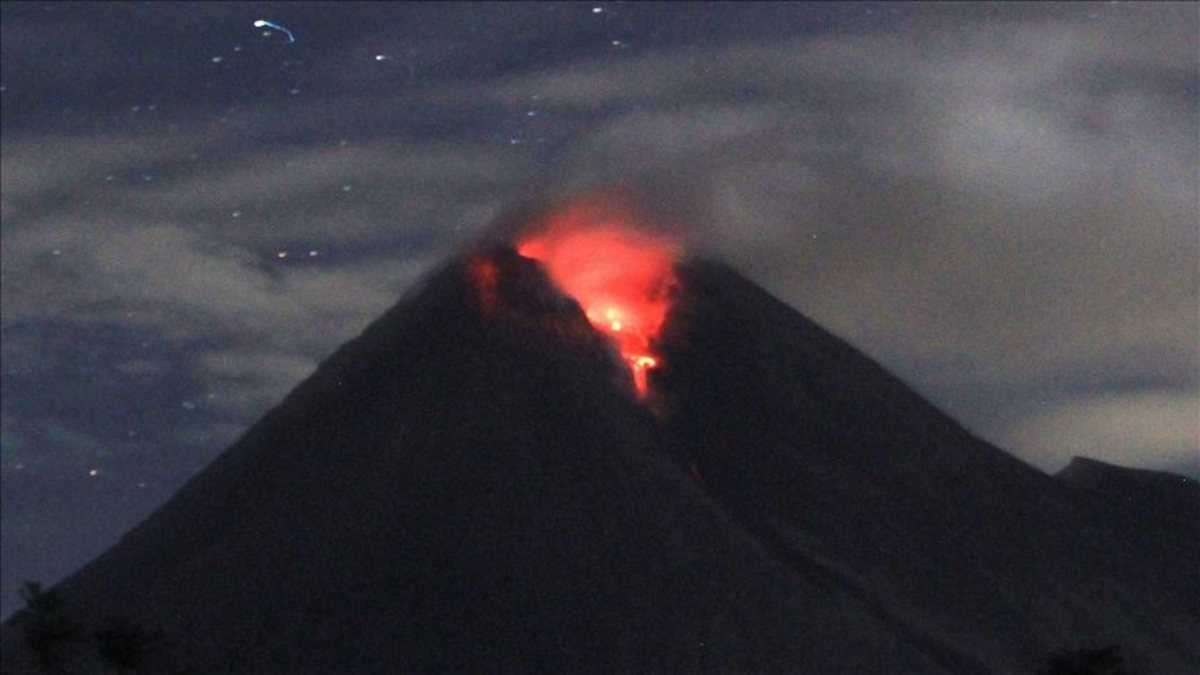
column 475, row 484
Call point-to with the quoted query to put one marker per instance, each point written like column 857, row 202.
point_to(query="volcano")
column 486, row 480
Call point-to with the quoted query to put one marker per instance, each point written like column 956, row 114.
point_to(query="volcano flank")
column 488, row 479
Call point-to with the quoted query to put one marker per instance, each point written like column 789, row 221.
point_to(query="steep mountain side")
column 840, row 466
column 471, row 486
column 477, row 484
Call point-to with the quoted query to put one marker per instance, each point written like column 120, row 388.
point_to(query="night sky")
column 997, row 202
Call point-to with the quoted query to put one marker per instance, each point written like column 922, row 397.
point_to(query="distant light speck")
column 381, row 57
column 347, row 188
column 94, row 472
column 597, row 10
column 218, row 59
column 281, row 255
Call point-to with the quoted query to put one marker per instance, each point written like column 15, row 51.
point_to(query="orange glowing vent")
column 621, row 276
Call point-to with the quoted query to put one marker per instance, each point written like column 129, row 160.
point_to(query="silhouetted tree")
column 1101, row 661
column 48, row 627
column 124, row 645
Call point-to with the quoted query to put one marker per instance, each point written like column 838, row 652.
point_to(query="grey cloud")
column 44, row 172
column 398, row 185
column 1158, row 430
column 307, row 186
column 175, row 275
column 168, row 260
column 12, row 441
column 980, row 205
column 174, row 284
column 142, row 367
column 976, row 207
column 240, row 382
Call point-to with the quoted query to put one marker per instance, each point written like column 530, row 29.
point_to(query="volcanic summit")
column 580, row 450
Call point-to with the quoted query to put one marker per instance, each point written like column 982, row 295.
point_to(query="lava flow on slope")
column 620, row 275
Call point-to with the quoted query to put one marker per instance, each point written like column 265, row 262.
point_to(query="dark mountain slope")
column 471, row 486
column 840, row 467
column 1165, row 499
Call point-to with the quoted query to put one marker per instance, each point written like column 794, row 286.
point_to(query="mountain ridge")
column 473, row 484
column 832, row 455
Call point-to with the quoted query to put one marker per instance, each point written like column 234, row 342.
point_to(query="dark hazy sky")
column 997, row 201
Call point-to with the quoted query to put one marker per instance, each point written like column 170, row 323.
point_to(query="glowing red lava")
column 485, row 275
column 620, row 275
